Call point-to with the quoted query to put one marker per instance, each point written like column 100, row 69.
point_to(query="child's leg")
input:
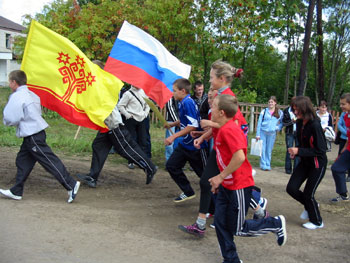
column 210, row 170
column 100, row 150
column 257, row 227
column 298, row 177
column 174, row 166
column 339, row 168
column 44, row 155
column 270, row 141
column 130, row 150
column 198, row 160
column 311, row 206
column 25, row 163
column 227, row 216
column 263, row 157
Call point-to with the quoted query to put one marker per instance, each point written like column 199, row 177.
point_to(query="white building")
column 8, row 31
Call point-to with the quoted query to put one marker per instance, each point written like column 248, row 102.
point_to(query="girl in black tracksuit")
column 313, row 160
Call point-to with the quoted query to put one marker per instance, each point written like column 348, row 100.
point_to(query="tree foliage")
column 244, row 33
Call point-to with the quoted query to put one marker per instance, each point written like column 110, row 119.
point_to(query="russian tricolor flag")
column 141, row 60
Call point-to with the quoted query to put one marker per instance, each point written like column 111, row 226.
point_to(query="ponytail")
column 238, row 72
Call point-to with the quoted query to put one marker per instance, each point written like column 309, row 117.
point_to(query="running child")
column 23, row 111
column 185, row 151
column 342, row 164
column 234, row 184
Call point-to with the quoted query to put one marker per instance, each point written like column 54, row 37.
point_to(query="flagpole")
column 77, row 132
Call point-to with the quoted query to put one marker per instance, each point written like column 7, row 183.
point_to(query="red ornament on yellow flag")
column 66, row 80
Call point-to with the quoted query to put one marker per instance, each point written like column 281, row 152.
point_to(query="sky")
column 15, row 9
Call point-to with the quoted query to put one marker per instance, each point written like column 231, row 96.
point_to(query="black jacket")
column 287, row 121
column 312, row 143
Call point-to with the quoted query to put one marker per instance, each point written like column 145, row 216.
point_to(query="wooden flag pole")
column 77, row 133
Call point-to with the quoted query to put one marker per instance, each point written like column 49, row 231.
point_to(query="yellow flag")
column 66, row 80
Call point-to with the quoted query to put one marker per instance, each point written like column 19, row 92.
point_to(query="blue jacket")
column 342, row 127
column 268, row 123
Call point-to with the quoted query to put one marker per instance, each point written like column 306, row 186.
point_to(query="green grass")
column 60, row 137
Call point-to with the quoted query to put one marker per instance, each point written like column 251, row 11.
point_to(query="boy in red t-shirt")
column 234, row 184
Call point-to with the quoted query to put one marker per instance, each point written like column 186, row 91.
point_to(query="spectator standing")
column 289, row 121
column 326, row 120
column 201, row 99
column 270, row 121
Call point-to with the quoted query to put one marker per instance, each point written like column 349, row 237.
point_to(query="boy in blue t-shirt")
column 185, row 151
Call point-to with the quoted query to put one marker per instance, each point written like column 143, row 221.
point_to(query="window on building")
column 8, row 41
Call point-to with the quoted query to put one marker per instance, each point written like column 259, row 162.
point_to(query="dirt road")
column 124, row 220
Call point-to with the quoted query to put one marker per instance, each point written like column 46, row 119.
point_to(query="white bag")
column 329, row 134
column 256, row 147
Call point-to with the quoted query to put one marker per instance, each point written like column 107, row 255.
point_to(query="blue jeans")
column 339, row 168
column 291, row 141
column 170, row 148
column 268, row 139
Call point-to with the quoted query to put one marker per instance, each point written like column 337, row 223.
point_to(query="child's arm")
column 181, row 133
column 209, row 124
column 205, row 136
column 172, row 124
column 195, row 134
column 13, row 112
column 236, row 161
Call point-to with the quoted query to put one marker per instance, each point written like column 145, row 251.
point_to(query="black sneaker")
column 87, row 179
column 281, row 233
column 150, row 175
column 73, row 193
column 182, row 197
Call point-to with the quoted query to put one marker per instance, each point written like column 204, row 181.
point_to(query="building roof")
column 9, row 25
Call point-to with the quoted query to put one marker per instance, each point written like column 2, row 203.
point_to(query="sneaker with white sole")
column 312, row 226
column 212, row 225
column 282, row 232
column 340, row 198
column 73, row 193
column 182, row 197
column 9, row 194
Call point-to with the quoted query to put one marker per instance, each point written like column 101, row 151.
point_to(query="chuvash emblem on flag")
column 66, row 80
column 74, row 74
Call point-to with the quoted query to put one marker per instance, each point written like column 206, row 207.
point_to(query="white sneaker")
column 73, row 193
column 312, row 226
column 9, row 194
column 253, row 172
column 304, row 215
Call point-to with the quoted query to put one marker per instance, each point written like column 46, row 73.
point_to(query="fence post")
column 251, row 120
